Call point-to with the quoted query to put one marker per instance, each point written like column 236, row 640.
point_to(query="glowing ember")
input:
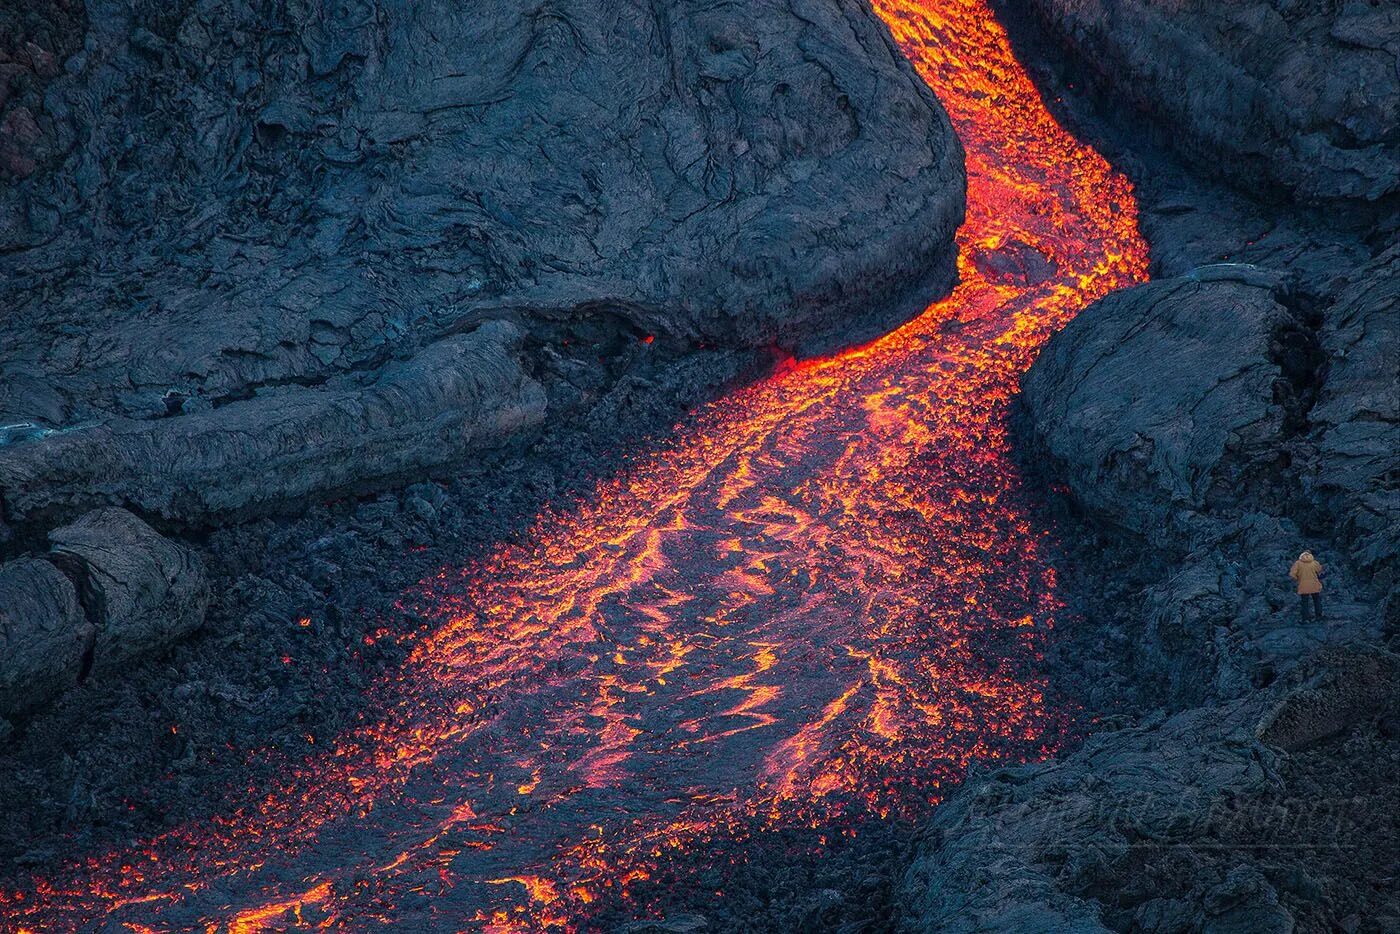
column 815, row 607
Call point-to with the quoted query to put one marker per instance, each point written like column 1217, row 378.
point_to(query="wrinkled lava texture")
column 812, row 607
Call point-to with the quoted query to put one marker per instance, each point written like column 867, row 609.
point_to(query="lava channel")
column 812, row 608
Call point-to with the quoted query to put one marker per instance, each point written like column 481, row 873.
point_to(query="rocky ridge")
column 1238, row 817
column 239, row 205
column 1298, row 96
column 1207, row 427
column 1224, row 423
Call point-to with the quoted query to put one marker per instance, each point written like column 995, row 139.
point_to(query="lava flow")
column 811, row 609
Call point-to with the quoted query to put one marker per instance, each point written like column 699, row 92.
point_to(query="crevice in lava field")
column 776, row 637
column 1297, row 349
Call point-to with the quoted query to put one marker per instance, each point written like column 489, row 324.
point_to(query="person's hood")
column 1306, row 557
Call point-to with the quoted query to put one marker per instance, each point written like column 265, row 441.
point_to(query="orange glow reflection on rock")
column 816, row 605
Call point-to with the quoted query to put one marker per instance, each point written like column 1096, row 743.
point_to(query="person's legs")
column 1303, row 606
column 1317, row 606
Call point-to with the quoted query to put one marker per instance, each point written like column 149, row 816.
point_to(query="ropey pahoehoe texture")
column 238, row 201
column 110, row 590
column 1300, row 95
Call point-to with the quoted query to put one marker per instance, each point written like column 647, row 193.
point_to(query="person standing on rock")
column 1307, row 571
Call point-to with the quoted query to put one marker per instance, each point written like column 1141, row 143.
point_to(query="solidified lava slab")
column 814, row 607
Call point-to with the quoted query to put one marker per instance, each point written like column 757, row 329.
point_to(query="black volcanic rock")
column 243, row 279
column 1237, row 817
column 43, row 634
column 1304, row 95
column 35, row 38
column 1219, row 423
column 458, row 395
column 110, row 590
column 253, row 196
column 1191, row 410
column 1170, row 411
column 142, row 590
column 1145, row 399
column 1356, row 420
column 1016, row 850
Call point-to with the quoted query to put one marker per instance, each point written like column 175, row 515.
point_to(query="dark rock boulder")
column 44, row 634
column 238, row 278
column 141, row 590
column 1216, row 424
column 460, row 395
column 1356, row 421
column 1180, row 409
column 1303, row 95
column 111, row 590
column 1150, row 401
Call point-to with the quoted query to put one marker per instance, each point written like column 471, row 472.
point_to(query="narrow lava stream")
column 812, row 608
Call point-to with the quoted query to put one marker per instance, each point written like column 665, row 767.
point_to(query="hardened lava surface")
column 812, row 607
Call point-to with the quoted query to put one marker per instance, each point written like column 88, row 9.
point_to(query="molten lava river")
column 808, row 611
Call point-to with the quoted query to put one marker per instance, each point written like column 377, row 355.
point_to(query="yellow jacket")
column 1308, row 573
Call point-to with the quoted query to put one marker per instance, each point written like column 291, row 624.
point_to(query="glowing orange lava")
column 814, row 607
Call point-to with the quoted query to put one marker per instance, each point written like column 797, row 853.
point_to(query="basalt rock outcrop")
column 1231, row 818
column 109, row 590
column 457, row 396
column 250, row 208
column 1151, row 400
column 1209, row 426
column 44, row 633
column 141, row 590
column 36, row 37
column 1356, row 419
column 1222, row 422
column 1300, row 96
